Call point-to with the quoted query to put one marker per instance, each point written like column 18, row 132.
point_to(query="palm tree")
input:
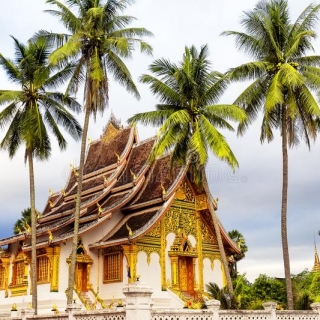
column 238, row 238
column 189, row 118
column 98, row 39
column 31, row 111
column 283, row 81
column 226, row 300
column 24, row 222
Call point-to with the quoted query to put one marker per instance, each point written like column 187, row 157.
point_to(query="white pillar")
column 138, row 301
column 214, row 306
column 72, row 308
column 26, row 313
column 315, row 306
column 271, row 306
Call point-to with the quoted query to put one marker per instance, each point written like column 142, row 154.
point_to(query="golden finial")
column 129, row 229
column 76, row 173
column 50, row 203
column 217, row 200
column 29, row 306
column 18, row 229
column 27, row 227
column 163, row 189
column 99, row 207
column 50, row 192
column 50, row 235
column 38, row 215
column 118, row 157
column 134, row 177
column 63, row 192
column 90, row 140
column 105, row 179
column 14, row 307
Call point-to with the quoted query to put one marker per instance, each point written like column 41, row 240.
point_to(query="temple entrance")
column 82, row 277
column 183, row 255
column 82, row 272
column 186, row 274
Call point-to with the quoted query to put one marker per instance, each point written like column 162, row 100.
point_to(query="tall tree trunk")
column 284, row 237
column 218, row 234
column 72, row 266
column 33, row 234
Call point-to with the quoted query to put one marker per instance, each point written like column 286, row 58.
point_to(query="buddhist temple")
column 137, row 222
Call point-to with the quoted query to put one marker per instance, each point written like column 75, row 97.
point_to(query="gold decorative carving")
column 155, row 232
column 163, row 244
column 131, row 251
column 200, row 285
column 148, row 249
column 54, row 258
column 180, row 217
column 110, row 132
column 201, row 202
column 185, row 192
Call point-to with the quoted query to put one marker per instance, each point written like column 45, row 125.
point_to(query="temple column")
column 131, row 253
column 175, row 272
column 54, row 258
column 199, row 251
column 163, row 254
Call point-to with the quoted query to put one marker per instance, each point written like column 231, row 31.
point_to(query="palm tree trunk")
column 284, row 237
column 72, row 266
column 218, row 234
column 33, row 234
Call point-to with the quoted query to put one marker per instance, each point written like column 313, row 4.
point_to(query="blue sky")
column 250, row 198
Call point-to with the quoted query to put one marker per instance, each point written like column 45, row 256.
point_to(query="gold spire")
column 163, row 189
column 76, row 173
column 50, row 192
column 63, row 192
column 18, row 229
column 118, row 157
column 134, row 177
column 27, row 227
column 99, row 207
column 316, row 266
column 129, row 229
column 50, row 235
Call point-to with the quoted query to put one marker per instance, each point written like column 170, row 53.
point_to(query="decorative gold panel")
column 201, row 202
column 155, row 232
column 180, row 218
column 185, row 192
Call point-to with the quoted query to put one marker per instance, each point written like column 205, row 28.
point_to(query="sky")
column 250, row 197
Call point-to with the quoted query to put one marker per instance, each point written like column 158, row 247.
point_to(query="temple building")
column 137, row 222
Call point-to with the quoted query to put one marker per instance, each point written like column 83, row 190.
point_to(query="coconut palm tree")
column 98, row 38
column 283, row 80
column 24, row 222
column 189, row 118
column 33, row 110
column 238, row 238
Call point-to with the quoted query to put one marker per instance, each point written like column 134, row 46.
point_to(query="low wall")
column 139, row 307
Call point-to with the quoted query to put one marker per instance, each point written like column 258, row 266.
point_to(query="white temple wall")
column 63, row 265
column 151, row 273
column 113, row 290
column 214, row 275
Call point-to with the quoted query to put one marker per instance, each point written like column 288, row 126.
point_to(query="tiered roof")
column 117, row 176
